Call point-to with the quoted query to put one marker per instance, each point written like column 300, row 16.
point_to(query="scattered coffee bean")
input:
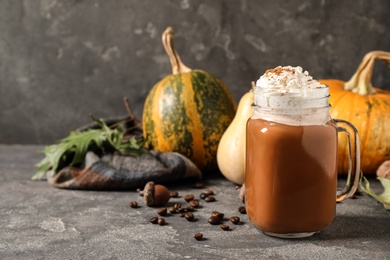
column 214, row 220
column 194, row 203
column 162, row 211
column 225, row 227
column 189, row 197
column 182, row 215
column 203, row 196
column 133, row 204
column 199, row 185
column 242, row 210
column 173, row 210
column 190, row 208
column 189, row 216
column 177, row 205
column 235, row 220
column 198, row 236
column 174, row 194
column 153, row 220
column 208, row 192
column 181, row 210
column 218, row 214
column 209, row 199
column 161, row 221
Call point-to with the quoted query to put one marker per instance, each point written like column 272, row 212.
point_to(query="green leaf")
column 384, row 197
column 74, row 147
column 131, row 146
column 76, row 143
column 115, row 137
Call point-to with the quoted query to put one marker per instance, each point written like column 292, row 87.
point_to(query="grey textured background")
column 62, row 60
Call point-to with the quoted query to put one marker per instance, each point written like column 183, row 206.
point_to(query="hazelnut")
column 156, row 195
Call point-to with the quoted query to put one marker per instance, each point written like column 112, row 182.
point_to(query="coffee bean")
column 177, row 205
column 181, row 210
column 208, row 191
column 133, row 204
column 214, row 220
column 189, row 197
column 190, row 208
column 198, row 236
column 161, row 221
column 173, row 210
column 235, row 220
column 218, row 214
column 182, row 215
column 210, row 199
column 194, row 203
column 162, row 211
column 174, row 194
column 189, row 216
column 203, row 196
column 199, row 185
column 153, row 220
column 242, row 210
column 225, row 227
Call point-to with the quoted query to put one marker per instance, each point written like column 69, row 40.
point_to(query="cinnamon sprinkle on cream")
column 278, row 71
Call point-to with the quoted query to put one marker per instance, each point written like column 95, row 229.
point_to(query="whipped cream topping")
column 297, row 97
column 289, row 87
column 288, row 79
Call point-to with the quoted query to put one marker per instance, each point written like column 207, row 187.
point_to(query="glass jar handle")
column 353, row 159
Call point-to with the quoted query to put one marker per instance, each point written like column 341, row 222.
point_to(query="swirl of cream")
column 277, row 86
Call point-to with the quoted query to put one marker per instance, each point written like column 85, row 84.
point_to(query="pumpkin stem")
column 360, row 82
column 176, row 63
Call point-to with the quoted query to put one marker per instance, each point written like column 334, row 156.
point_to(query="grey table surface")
column 38, row 221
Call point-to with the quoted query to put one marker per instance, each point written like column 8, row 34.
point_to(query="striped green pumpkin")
column 188, row 112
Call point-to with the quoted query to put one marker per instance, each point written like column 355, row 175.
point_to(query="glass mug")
column 291, row 167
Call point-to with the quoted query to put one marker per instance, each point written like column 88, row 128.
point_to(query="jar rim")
column 291, row 102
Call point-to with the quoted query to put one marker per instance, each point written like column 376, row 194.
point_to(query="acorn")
column 156, row 195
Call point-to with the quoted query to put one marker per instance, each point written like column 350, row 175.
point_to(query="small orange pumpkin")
column 368, row 109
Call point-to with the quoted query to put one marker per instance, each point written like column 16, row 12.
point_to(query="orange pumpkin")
column 368, row 109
